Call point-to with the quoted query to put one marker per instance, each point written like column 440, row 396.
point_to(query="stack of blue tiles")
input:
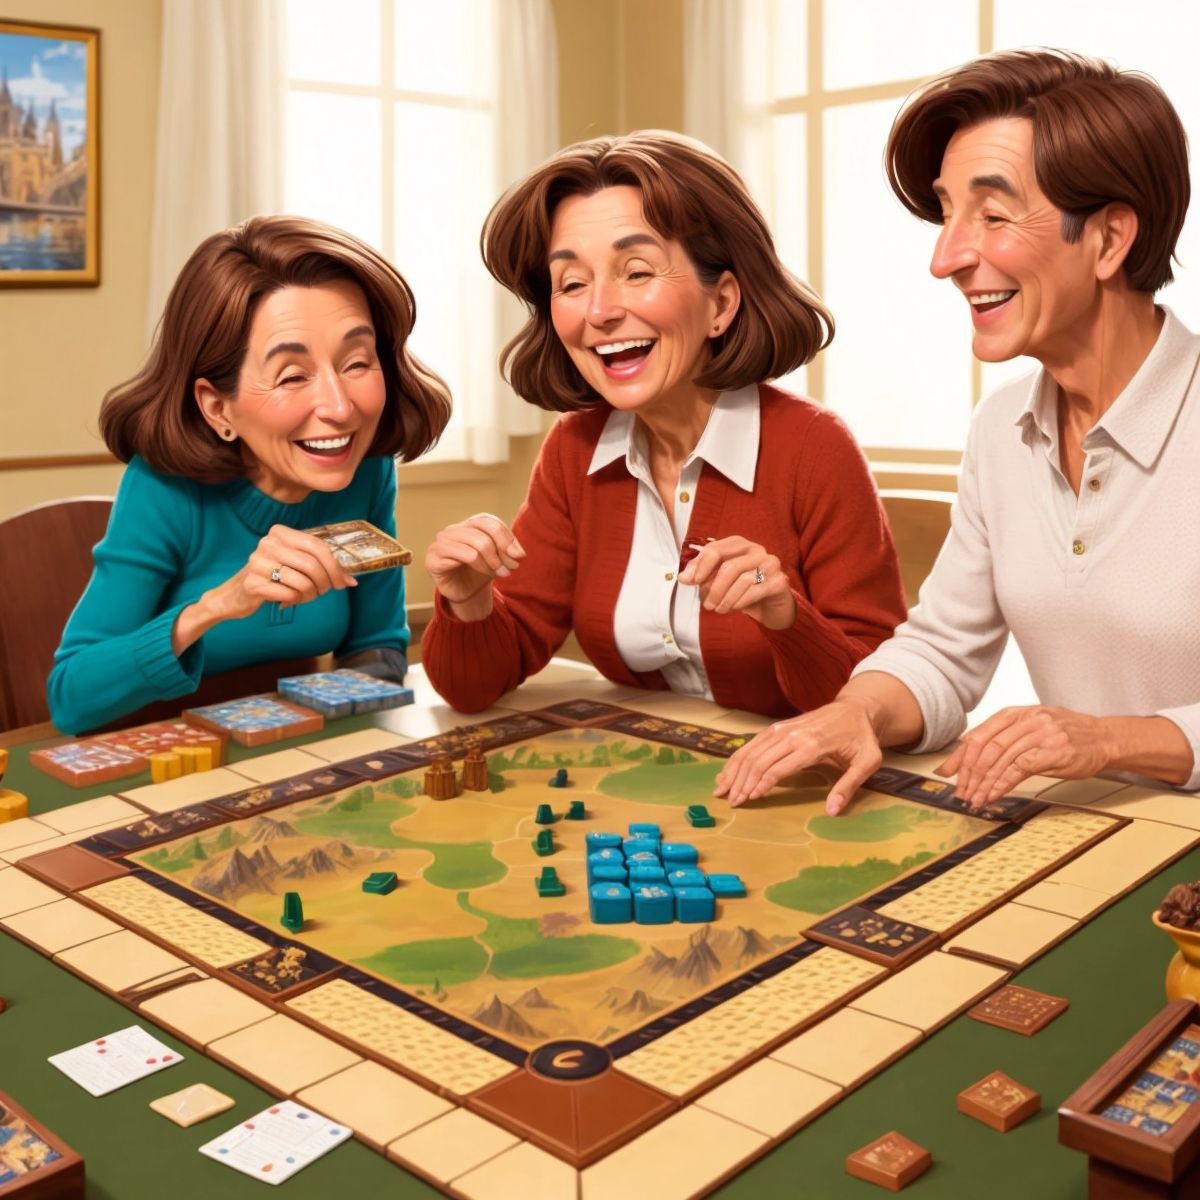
column 644, row 879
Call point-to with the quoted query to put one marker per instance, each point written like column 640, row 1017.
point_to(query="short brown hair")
column 689, row 194
column 205, row 328
column 1100, row 135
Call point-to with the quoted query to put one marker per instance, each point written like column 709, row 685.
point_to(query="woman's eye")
column 993, row 219
column 639, row 273
column 570, row 287
column 358, row 366
column 291, row 379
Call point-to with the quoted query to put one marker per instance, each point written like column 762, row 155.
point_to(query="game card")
column 360, row 546
column 111, row 1062
column 276, row 1143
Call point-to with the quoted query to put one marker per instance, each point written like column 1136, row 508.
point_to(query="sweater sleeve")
column 378, row 617
column 947, row 651
column 472, row 663
column 115, row 653
column 855, row 596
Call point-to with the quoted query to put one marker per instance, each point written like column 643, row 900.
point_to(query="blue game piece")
column 607, row 874
column 602, row 841
column 640, row 845
column 610, row 903
column 678, row 877
column 604, row 858
column 653, row 904
column 644, row 829
column 644, row 858
column 694, row 904
column 643, row 872
column 726, row 885
column 679, row 854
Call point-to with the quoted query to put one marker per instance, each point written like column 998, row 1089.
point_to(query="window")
column 817, row 85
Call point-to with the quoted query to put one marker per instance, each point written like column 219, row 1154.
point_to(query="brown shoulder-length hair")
column 1100, row 135
column 689, row 194
column 205, row 328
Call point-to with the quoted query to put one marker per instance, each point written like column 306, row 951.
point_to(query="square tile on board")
column 58, row 926
column 1127, row 857
column 24, row 831
column 450, row 1146
column 20, row 891
column 848, row 1047
column 771, row 1097
column 270, row 768
column 119, row 961
column 187, row 789
column 523, row 1173
column 1013, row 934
column 1069, row 899
column 1082, row 791
column 203, row 1012
column 88, row 814
column 930, row 991
column 282, row 1054
column 354, row 745
column 378, row 1104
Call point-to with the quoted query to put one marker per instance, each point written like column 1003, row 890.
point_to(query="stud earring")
column 227, row 434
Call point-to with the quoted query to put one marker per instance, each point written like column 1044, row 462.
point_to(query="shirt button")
column 669, row 576
column 1077, row 547
column 668, row 638
column 1094, row 484
column 684, row 497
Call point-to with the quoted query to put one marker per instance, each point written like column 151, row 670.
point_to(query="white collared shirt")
column 1100, row 590
column 656, row 624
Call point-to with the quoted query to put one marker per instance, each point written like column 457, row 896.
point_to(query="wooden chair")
column 920, row 521
column 45, row 563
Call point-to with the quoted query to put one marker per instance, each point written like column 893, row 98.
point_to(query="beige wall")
column 620, row 68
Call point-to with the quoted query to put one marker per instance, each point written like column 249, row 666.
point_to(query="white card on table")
column 277, row 1142
column 113, row 1061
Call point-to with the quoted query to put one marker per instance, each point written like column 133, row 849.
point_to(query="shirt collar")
column 729, row 442
column 1140, row 419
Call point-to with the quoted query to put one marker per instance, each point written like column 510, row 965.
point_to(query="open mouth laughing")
column 989, row 302
column 625, row 358
column 328, row 449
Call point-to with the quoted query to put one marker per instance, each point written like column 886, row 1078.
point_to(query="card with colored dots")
column 107, row 1063
column 277, row 1142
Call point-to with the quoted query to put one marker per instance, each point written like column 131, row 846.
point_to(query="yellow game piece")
column 3, row 761
column 13, row 805
column 203, row 758
column 165, row 765
column 187, row 758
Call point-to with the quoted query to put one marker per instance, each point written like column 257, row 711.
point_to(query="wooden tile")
column 848, row 1047
column 20, row 891
column 87, row 814
column 930, row 991
column 187, row 789
column 1146, row 804
column 1020, row 1009
column 1012, row 935
column 268, row 768
column 282, row 1055
column 70, row 868
column 120, row 960
column 378, row 1104
column 522, row 1173
column 891, row 1161
column 1132, row 854
column 1066, row 898
column 353, row 745
column 55, row 927
column 1000, row 1101
column 687, row 1155
column 21, row 853
column 192, row 1105
column 771, row 1097
column 202, row 1012
column 1082, row 791
column 450, row 1146
column 23, row 832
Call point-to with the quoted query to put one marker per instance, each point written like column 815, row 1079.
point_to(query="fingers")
column 861, row 768
column 977, row 750
column 466, row 556
column 713, row 555
column 290, row 566
column 734, row 574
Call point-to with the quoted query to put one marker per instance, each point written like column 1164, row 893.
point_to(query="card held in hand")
column 358, row 546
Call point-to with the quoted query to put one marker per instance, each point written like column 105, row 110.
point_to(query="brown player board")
column 478, row 1033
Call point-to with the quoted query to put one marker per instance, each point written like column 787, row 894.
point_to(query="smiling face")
column 627, row 304
column 1031, row 291
column 310, row 392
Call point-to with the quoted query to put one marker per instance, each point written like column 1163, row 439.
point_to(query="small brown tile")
column 891, row 1161
column 1020, row 1009
column 999, row 1101
column 71, row 868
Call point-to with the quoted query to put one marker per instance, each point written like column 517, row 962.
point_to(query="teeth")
column 992, row 297
column 616, row 347
column 326, row 443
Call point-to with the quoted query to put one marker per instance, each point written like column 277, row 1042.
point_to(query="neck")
column 278, row 489
column 1104, row 352
column 673, row 426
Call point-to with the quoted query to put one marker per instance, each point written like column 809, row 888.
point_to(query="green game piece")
column 380, row 882
column 293, row 912
column 699, row 817
column 544, row 843
column 545, row 815
column 548, row 884
column 576, row 812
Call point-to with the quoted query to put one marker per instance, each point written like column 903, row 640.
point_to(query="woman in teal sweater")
column 275, row 396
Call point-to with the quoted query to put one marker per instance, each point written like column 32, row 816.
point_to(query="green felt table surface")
column 1111, row 970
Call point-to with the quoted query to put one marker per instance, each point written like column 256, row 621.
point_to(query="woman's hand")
column 737, row 575
column 465, row 558
column 839, row 734
column 287, row 567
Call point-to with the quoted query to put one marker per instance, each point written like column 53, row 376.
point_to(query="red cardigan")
column 814, row 505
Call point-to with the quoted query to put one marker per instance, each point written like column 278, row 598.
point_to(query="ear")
column 1118, row 226
column 214, row 408
column 727, row 299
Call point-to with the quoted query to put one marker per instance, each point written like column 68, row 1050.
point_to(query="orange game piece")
column 891, row 1161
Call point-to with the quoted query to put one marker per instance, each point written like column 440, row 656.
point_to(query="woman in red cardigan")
column 698, row 529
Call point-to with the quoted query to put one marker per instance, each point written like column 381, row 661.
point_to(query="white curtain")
column 220, row 127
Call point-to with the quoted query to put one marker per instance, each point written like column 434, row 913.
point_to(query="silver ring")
column 276, row 576
column 759, row 577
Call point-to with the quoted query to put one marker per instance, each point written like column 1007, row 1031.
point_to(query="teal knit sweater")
column 171, row 539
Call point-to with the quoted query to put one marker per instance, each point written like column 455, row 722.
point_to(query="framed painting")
column 49, row 155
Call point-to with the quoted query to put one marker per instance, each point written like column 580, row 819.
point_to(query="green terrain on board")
column 361, row 818
column 872, row 825
column 823, row 889
column 444, row 960
column 685, row 782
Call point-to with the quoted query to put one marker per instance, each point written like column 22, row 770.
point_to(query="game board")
column 504, row 1024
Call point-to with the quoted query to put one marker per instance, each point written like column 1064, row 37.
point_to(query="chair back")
column 920, row 521
column 45, row 563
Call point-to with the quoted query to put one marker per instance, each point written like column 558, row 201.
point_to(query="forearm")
column 195, row 620
column 477, row 608
column 1151, row 746
column 891, row 708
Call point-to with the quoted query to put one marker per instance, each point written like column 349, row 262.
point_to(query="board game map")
column 578, row 1040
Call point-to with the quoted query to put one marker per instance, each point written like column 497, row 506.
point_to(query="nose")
column 604, row 303
column 954, row 250
column 332, row 400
